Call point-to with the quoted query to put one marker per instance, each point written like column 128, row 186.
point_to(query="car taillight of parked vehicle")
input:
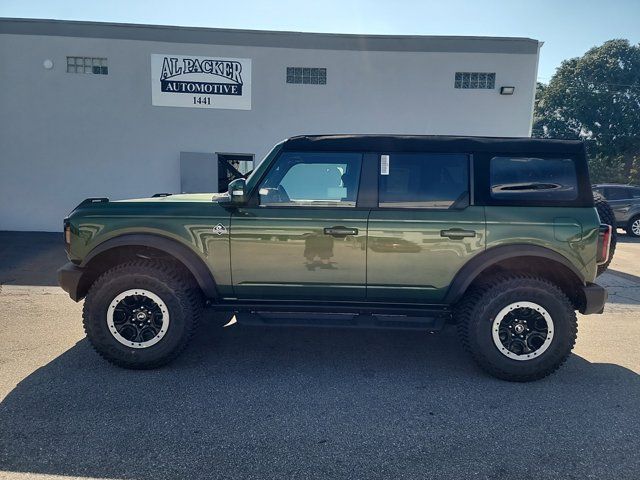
column 604, row 243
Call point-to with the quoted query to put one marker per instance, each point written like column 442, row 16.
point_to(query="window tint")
column 622, row 193
column 525, row 178
column 615, row 193
column 423, row 180
column 312, row 179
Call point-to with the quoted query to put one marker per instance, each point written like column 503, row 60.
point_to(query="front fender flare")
column 174, row 248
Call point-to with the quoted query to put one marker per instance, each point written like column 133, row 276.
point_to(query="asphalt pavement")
column 248, row 402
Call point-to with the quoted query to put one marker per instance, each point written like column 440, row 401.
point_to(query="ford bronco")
column 496, row 235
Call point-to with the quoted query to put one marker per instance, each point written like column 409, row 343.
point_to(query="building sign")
column 200, row 82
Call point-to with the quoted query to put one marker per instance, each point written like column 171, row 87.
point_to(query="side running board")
column 429, row 323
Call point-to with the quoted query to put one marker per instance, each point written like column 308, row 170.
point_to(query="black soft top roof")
column 433, row 143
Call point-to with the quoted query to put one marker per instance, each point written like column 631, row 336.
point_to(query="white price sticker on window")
column 384, row 164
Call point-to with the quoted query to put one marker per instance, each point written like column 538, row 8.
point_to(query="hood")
column 181, row 204
column 181, row 197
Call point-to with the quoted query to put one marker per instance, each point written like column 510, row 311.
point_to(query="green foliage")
column 605, row 169
column 596, row 97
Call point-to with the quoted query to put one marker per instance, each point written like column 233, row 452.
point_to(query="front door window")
column 312, row 179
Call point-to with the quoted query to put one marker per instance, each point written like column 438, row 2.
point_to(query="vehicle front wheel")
column 142, row 314
column 633, row 227
column 517, row 327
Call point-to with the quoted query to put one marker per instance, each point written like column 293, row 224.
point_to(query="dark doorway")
column 232, row 166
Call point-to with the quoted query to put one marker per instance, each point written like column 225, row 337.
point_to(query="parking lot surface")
column 247, row 402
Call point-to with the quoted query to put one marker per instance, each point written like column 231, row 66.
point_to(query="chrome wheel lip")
column 495, row 328
column 635, row 227
column 145, row 293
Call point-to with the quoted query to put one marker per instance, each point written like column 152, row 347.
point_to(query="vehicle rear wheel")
column 517, row 327
column 142, row 314
column 605, row 212
column 633, row 227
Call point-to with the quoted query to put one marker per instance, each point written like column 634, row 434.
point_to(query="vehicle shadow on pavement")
column 31, row 258
column 622, row 238
column 623, row 288
column 626, row 276
column 248, row 402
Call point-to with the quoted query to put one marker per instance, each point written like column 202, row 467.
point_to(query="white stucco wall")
column 65, row 137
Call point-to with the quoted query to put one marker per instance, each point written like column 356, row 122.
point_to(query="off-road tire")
column 177, row 290
column 605, row 212
column 629, row 228
column 476, row 312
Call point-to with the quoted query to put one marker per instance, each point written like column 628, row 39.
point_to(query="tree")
column 596, row 97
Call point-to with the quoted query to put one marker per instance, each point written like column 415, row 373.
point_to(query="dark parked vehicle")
column 625, row 202
column 499, row 236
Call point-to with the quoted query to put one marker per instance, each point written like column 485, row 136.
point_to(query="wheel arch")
column 519, row 257
column 113, row 250
column 633, row 215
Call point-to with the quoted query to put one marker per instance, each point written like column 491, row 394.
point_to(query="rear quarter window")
column 533, row 178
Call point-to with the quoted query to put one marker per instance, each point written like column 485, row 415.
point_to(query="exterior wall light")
column 48, row 64
column 507, row 90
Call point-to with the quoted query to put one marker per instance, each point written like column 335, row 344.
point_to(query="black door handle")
column 457, row 233
column 340, row 231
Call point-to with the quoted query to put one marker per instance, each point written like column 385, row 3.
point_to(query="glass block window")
column 475, row 80
column 94, row 65
column 307, row 75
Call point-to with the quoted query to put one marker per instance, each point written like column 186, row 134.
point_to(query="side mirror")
column 237, row 191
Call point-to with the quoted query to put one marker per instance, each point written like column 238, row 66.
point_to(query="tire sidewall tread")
column 476, row 312
column 181, row 296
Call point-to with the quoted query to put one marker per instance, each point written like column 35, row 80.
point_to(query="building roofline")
column 265, row 38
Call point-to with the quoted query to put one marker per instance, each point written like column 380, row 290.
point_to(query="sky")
column 568, row 28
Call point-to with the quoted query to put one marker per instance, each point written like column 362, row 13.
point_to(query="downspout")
column 535, row 85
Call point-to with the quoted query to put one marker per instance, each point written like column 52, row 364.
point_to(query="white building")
column 118, row 110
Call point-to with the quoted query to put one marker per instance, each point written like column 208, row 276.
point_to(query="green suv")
column 499, row 236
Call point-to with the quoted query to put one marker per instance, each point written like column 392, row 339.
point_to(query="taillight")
column 604, row 243
column 67, row 234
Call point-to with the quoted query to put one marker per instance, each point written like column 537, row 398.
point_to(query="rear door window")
column 423, row 180
column 531, row 178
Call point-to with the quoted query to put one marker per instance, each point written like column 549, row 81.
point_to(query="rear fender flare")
column 478, row 264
